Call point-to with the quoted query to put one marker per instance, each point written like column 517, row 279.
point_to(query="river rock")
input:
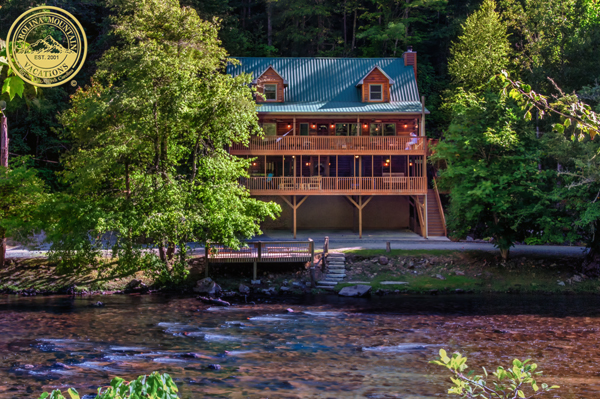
column 383, row 260
column 411, row 265
column 355, row 290
column 561, row 283
column 284, row 289
column 133, row 284
column 577, row 279
column 207, row 286
column 244, row 289
column 469, row 238
column 459, row 273
column 440, row 277
column 214, row 366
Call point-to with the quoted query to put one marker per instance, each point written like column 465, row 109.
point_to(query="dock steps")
column 335, row 270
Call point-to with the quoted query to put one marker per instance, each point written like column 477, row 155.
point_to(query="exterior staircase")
column 436, row 226
column 335, row 270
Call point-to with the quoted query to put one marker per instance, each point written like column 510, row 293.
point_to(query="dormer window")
column 375, row 86
column 375, row 92
column 270, row 92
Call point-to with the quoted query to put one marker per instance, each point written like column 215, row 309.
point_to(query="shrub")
column 153, row 386
column 514, row 382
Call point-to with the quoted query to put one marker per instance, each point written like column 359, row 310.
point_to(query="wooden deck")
column 332, row 145
column 318, row 185
column 268, row 252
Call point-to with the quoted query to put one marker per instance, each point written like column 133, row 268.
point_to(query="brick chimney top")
column 410, row 58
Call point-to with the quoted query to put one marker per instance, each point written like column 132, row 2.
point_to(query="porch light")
column 253, row 163
column 314, row 126
column 410, row 164
column 387, row 160
column 385, row 164
column 308, row 163
column 356, row 156
column 293, row 156
column 289, row 126
column 365, row 125
column 332, row 125
column 404, row 126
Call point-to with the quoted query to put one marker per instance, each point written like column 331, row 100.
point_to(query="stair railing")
column 439, row 203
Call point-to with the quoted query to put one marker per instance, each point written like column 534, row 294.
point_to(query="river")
column 329, row 347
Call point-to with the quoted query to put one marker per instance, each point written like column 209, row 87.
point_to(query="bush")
column 153, row 386
column 510, row 383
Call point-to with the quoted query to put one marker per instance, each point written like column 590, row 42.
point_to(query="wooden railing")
column 261, row 251
column 327, row 145
column 439, row 203
column 318, row 185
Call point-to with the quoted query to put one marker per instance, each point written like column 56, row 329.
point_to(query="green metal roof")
column 328, row 85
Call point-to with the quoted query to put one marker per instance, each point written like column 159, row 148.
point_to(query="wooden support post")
column 206, row 253
column 311, row 244
column 294, row 207
column 254, row 271
column 388, row 247
column 422, row 116
column 360, row 207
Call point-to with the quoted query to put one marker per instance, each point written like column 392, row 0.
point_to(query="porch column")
column 294, row 207
column 360, row 207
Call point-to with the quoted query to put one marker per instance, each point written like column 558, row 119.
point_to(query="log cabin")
column 344, row 144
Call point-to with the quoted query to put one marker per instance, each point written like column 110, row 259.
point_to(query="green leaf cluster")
column 153, row 386
column 518, row 381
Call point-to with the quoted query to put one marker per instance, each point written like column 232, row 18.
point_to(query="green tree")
column 482, row 50
column 492, row 172
column 21, row 192
column 573, row 147
column 150, row 135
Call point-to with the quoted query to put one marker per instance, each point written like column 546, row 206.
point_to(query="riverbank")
column 400, row 271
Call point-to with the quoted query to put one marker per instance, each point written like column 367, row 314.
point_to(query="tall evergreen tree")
column 482, row 50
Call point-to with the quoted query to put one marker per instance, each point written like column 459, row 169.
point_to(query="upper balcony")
column 333, row 145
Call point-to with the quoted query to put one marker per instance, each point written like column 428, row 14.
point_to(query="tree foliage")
column 491, row 160
column 149, row 135
column 518, row 381
column 482, row 50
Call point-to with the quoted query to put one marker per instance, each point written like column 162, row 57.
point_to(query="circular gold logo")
column 46, row 46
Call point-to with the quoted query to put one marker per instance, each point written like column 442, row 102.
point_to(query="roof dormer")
column 270, row 85
column 375, row 86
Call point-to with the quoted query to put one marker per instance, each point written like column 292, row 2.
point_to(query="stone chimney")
column 410, row 58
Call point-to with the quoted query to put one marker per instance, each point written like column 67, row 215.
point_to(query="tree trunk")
column 504, row 253
column 161, row 253
column 269, row 26
column 345, row 29
column 170, row 251
column 354, row 30
column 2, row 248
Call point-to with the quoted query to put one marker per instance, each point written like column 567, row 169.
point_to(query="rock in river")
column 355, row 290
column 383, row 260
column 244, row 289
column 207, row 286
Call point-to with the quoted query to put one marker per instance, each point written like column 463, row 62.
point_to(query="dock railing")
column 261, row 251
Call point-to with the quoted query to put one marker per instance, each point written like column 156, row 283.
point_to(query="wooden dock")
column 262, row 252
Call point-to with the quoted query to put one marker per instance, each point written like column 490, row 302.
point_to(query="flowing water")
column 328, row 347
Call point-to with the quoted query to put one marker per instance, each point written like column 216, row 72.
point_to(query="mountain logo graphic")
column 46, row 46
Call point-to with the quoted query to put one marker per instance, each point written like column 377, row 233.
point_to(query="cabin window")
column 375, row 129
column 389, row 129
column 375, row 92
column 270, row 92
column 304, row 129
column 270, row 129
column 382, row 129
column 346, row 129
